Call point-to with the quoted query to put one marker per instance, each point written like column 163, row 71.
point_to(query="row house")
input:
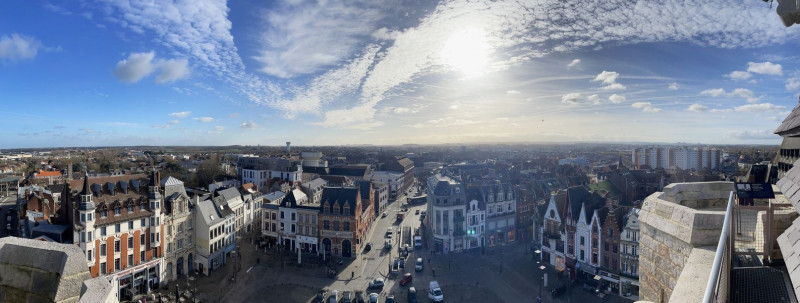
column 287, row 217
column 446, row 209
column 215, row 236
column 588, row 239
column 580, row 201
column 476, row 220
column 554, row 233
column 610, row 257
column 341, row 221
column 501, row 207
column 629, row 253
column 252, row 207
column 261, row 171
column 270, row 207
column 231, row 198
column 179, row 223
column 313, row 189
column 120, row 227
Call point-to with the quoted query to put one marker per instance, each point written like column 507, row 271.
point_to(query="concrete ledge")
column 691, row 285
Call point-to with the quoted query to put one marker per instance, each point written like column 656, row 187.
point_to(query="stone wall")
column 38, row 271
column 670, row 231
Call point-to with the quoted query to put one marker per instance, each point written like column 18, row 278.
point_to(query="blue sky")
column 97, row 73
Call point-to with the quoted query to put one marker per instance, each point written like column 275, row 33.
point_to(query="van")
column 434, row 292
column 389, row 232
column 418, row 266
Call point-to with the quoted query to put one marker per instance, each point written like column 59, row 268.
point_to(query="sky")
column 329, row 72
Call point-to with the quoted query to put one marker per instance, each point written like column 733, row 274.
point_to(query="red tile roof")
column 43, row 173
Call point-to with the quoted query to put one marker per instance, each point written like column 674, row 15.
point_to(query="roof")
column 273, row 196
column 293, row 198
column 790, row 127
column 789, row 242
column 358, row 170
column 341, row 195
column 606, row 186
column 46, row 173
column 790, row 185
column 208, row 211
column 578, row 195
column 170, row 181
column 10, row 179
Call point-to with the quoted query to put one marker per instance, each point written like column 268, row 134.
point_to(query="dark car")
column 406, row 279
column 359, row 297
column 368, row 247
column 377, row 283
column 557, row 291
column 412, row 295
column 389, row 299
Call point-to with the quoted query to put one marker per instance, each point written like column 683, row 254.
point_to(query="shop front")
column 612, row 279
column 139, row 280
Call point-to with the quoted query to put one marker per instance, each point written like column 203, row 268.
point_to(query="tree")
column 208, row 170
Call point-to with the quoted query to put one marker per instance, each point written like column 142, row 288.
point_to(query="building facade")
column 339, row 220
column 446, row 213
column 629, row 253
column 179, row 223
column 476, row 221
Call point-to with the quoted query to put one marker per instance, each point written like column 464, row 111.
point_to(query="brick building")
column 343, row 221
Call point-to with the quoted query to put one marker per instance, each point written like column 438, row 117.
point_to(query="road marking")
column 248, row 270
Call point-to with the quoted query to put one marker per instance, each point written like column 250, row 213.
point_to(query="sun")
column 467, row 50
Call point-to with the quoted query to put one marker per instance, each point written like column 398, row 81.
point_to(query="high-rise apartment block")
column 679, row 157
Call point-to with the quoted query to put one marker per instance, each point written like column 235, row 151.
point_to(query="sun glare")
column 467, row 50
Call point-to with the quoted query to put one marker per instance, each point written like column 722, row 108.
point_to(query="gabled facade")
column 340, row 221
column 179, row 224
column 629, row 253
column 554, row 232
column 446, row 219
column 214, row 234
column 501, row 207
column 476, row 220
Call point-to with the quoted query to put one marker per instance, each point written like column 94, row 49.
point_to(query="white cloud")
column 760, row 107
column 673, row 86
column 697, row 108
column 135, row 67
column 304, row 38
column 573, row 63
column 738, row 75
column 594, row 99
column 18, row 47
column 646, row 107
column 512, row 92
column 249, row 125
column 744, row 93
column 616, row 99
column 610, row 79
column 204, row 119
column 716, row 92
column 792, row 83
column 385, row 34
column 766, row 68
column 572, row 99
column 173, row 70
column 180, row 114
column 752, row 135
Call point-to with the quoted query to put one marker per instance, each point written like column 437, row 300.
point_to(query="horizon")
column 340, row 73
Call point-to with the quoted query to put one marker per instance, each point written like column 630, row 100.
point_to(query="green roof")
column 10, row 179
column 607, row 186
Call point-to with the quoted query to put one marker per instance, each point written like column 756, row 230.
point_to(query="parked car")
column 389, row 299
column 321, row 294
column 384, row 214
column 402, row 262
column 347, row 296
column 373, row 298
column 406, row 279
column 416, row 212
column 368, row 247
column 359, row 297
column 334, row 298
column 376, row 283
column 557, row 291
column 412, row 295
column 418, row 266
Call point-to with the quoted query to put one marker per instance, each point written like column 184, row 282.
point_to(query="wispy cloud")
column 173, row 70
column 697, row 108
column 752, row 135
column 760, row 107
column 616, row 99
column 747, row 94
column 673, row 86
column 572, row 99
column 249, row 125
column 765, row 68
column 18, row 47
column 573, row 63
column 135, row 67
column 180, row 114
column 646, row 107
column 204, row 119
column 738, row 75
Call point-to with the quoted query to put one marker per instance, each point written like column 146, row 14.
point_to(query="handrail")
column 723, row 241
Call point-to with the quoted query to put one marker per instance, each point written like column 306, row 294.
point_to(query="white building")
column 629, row 253
column 213, row 234
column 446, row 213
column 476, row 221
column 179, row 224
column 394, row 180
column 231, row 198
column 553, row 235
column 288, row 218
column 259, row 171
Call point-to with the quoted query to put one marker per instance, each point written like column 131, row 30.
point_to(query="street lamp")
column 541, row 285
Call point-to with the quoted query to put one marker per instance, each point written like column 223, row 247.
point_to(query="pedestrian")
column 352, row 275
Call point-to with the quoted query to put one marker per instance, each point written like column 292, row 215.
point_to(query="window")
column 594, row 258
column 130, row 208
column 274, row 227
column 294, row 216
column 103, row 213
column 155, row 252
column 605, row 245
column 610, row 233
column 141, row 256
column 628, row 235
column 102, row 250
column 581, row 255
column 293, row 228
column 103, row 231
column 116, row 263
column 594, row 243
column 582, row 241
column 180, row 244
column 336, row 225
column 605, row 261
column 633, row 268
column 116, row 211
column 89, row 216
column 326, row 225
column 83, row 217
column 615, row 248
column 347, row 209
column 614, row 264
column 116, row 245
column 346, row 226
column 273, row 216
column 152, row 237
column 143, row 223
column 91, row 236
column 89, row 255
column 282, row 215
column 633, row 250
column 130, row 224
column 116, row 228
column 130, row 260
column 130, row 243
column 103, row 267
column 141, row 239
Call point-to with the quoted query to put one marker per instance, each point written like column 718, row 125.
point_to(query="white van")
column 434, row 292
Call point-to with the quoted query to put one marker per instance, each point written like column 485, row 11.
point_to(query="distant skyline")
column 114, row 73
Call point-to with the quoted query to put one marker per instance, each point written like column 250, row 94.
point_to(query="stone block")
column 70, row 287
column 10, row 294
column 45, row 283
column 15, row 276
column 664, row 210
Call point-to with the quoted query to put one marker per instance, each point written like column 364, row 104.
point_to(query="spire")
column 87, row 191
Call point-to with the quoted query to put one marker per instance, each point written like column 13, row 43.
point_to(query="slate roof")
column 789, row 243
column 350, row 170
column 293, row 197
column 170, row 181
column 790, row 126
column 343, row 195
column 790, row 185
column 208, row 211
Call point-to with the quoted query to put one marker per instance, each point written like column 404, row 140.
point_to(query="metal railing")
column 717, row 288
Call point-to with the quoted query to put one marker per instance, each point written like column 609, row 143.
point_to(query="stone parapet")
column 673, row 224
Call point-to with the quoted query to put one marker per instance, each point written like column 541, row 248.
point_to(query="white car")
column 434, row 292
column 384, row 214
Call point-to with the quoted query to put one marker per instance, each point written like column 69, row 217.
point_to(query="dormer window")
column 130, row 208
column 103, row 213
column 116, row 211
column 347, row 209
